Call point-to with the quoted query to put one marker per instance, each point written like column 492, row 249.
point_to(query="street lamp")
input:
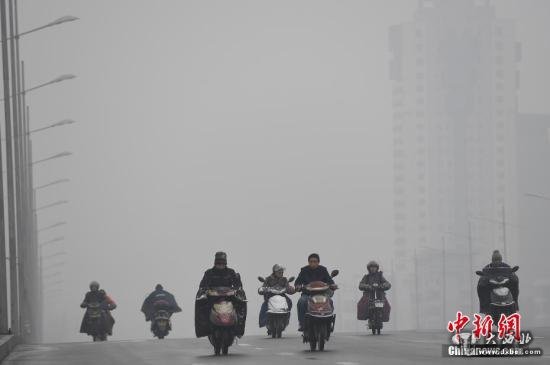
column 53, row 125
column 52, row 274
column 61, row 154
column 60, row 181
column 57, row 254
column 52, row 226
column 504, row 223
column 54, row 204
column 54, row 81
column 52, row 266
column 55, row 283
column 53, row 240
column 538, row 196
column 63, row 19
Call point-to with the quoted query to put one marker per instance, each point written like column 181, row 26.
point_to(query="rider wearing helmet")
column 374, row 278
column 373, row 285
column 276, row 279
column 96, row 295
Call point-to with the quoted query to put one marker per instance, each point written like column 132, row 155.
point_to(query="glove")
column 333, row 286
column 83, row 305
column 261, row 290
column 298, row 287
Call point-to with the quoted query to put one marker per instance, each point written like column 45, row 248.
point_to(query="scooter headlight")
column 318, row 299
column 502, row 292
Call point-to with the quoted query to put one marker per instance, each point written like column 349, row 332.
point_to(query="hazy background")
column 260, row 128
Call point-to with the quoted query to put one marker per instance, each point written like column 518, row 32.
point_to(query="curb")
column 7, row 344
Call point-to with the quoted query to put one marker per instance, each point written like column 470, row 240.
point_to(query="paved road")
column 343, row 349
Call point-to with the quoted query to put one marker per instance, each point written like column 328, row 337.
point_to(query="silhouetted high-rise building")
column 455, row 80
column 533, row 133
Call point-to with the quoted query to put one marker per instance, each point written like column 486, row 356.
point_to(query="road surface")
column 343, row 349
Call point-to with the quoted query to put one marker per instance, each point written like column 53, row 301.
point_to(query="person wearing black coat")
column 308, row 274
column 219, row 276
column 95, row 295
column 496, row 267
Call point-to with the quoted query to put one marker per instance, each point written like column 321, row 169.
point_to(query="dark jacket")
column 107, row 304
column 308, row 275
column 92, row 297
column 220, row 278
column 158, row 296
column 483, row 288
column 372, row 278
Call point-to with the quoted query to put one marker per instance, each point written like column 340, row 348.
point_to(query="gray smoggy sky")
column 262, row 128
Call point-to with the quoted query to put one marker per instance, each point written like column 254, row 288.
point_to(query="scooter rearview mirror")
column 480, row 273
column 334, row 273
column 261, row 279
column 291, row 279
column 515, row 268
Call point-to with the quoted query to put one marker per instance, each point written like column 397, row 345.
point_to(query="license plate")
column 379, row 304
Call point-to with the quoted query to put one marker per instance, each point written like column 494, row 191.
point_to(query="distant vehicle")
column 278, row 312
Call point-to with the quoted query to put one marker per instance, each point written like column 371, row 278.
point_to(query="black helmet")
column 158, row 287
column 220, row 257
column 94, row 284
column 373, row 264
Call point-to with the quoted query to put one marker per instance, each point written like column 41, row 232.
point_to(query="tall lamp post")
column 4, row 326
column 21, row 195
column 52, row 183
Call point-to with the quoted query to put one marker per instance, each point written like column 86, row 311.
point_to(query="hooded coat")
column 158, row 296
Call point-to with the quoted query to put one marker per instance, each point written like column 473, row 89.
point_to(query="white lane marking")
column 285, row 353
column 244, row 344
column 259, row 348
column 347, row 363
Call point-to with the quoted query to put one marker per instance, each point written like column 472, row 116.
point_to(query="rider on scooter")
column 276, row 279
column 310, row 273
